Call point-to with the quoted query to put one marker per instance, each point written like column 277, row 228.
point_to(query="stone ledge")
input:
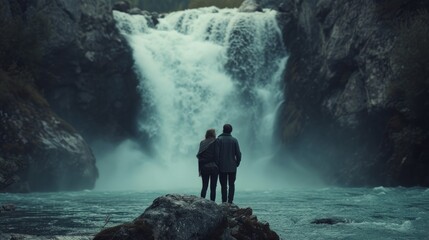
column 176, row 216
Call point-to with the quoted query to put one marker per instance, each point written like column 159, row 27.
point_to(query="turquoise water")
column 366, row 213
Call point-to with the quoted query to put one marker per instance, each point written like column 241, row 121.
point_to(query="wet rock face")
column 329, row 221
column 175, row 217
column 121, row 6
column 39, row 150
column 190, row 217
column 337, row 77
column 86, row 72
column 340, row 117
column 250, row 6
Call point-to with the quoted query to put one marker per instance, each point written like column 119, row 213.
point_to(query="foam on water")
column 402, row 214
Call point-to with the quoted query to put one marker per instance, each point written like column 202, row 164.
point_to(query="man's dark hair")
column 227, row 128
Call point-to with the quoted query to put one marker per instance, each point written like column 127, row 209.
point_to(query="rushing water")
column 198, row 69
column 366, row 213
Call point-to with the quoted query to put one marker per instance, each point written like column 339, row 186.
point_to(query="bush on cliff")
column 217, row 3
column 157, row 5
column 175, row 5
column 20, row 43
column 18, row 88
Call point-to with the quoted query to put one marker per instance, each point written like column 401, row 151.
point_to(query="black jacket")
column 206, row 152
column 227, row 153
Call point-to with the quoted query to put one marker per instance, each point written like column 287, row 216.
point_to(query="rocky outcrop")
column 329, row 221
column 7, row 208
column 152, row 18
column 39, row 150
column 86, row 69
column 250, row 6
column 190, row 217
column 342, row 117
column 8, row 236
column 74, row 80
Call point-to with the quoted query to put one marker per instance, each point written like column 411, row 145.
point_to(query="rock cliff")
column 353, row 111
column 66, row 76
column 356, row 88
column 86, row 68
column 174, row 217
column 39, row 150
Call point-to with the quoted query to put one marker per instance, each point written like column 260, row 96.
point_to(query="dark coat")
column 206, row 153
column 228, row 153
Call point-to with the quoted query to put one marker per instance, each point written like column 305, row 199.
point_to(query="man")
column 229, row 158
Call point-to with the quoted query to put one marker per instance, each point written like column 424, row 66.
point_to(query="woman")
column 207, row 166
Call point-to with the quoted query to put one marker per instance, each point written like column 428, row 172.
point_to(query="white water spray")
column 199, row 69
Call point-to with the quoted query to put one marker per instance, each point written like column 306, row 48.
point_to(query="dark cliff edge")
column 85, row 70
column 189, row 217
column 88, row 75
column 39, row 150
column 356, row 89
column 66, row 79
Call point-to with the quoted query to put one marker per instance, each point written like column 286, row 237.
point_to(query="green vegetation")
column 163, row 5
column 410, row 61
column 176, row 5
column 19, row 87
column 20, row 57
column 217, row 3
column 20, row 43
column 157, row 5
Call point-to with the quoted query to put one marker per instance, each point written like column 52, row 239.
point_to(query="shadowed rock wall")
column 86, row 73
column 38, row 150
column 73, row 81
column 341, row 116
column 174, row 217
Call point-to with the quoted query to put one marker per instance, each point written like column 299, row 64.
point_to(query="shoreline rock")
column 7, row 207
column 175, row 216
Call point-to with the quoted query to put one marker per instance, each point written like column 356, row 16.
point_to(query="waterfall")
column 200, row 69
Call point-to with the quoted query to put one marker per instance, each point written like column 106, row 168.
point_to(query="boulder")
column 135, row 11
column 250, row 6
column 122, row 6
column 329, row 221
column 7, row 208
column 174, row 217
column 39, row 151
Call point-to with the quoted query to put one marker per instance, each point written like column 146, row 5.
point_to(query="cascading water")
column 199, row 69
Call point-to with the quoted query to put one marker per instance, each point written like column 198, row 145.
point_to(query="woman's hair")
column 211, row 133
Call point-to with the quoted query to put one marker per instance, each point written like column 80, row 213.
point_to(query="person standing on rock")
column 207, row 165
column 229, row 158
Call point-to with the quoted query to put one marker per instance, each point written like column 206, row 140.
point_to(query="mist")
column 200, row 69
column 128, row 167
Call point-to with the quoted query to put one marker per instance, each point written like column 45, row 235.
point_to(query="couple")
column 219, row 156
